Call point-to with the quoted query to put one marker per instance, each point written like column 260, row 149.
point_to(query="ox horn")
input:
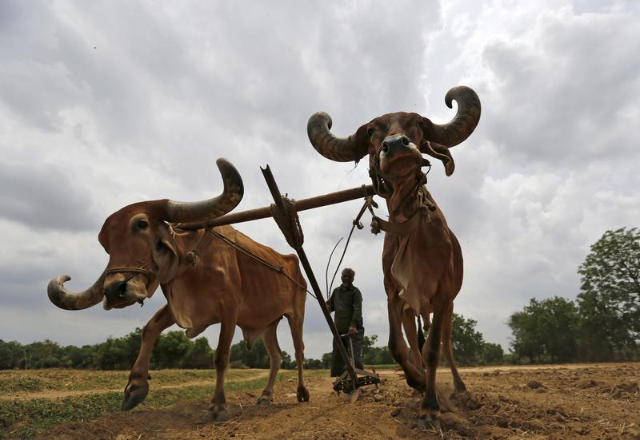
column 64, row 299
column 184, row 212
column 330, row 146
column 464, row 122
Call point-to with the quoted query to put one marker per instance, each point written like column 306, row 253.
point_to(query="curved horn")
column 330, row 146
column 464, row 122
column 64, row 299
column 184, row 212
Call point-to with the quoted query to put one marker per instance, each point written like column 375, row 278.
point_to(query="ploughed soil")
column 544, row 402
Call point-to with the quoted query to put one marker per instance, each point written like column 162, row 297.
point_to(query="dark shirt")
column 347, row 303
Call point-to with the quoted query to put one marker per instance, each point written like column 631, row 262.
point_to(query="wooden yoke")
column 265, row 212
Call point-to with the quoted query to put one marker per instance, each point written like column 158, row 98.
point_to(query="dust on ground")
column 553, row 402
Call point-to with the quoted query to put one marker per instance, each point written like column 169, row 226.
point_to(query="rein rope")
column 368, row 203
column 192, row 256
column 419, row 192
column 140, row 269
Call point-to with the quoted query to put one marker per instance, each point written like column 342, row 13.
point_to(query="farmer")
column 346, row 302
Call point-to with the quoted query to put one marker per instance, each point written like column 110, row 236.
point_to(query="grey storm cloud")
column 570, row 92
column 105, row 104
column 43, row 197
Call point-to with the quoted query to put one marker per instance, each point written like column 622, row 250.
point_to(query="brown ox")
column 421, row 259
column 226, row 286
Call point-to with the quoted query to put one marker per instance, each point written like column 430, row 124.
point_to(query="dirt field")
column 555, row 402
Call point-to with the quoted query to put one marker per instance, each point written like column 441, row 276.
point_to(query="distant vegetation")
column 175, row 350
column 603, row 324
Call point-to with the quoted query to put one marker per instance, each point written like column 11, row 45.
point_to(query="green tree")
column 44, row 354
column 118, row 353
column 492, row 354
column 200, row 355
column 10, row 354
column 326, row 360
column 313, row 364
column 287, row 362
column 609, row 300
column 369, row 352
column 372, row 355
column 546, row 331
column 257, row 357
column 468, row 343
column 171, row 349
column 79, row 357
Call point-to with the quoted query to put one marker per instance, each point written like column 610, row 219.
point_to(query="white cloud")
column 107, row 104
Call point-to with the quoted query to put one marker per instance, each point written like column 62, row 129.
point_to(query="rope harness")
column 289, row 223
column 150, row 275
column 192, row 256
column 419, row 192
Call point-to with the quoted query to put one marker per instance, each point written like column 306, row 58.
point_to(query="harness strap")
column 192, row 256
column 279, row 269
column 149, row 274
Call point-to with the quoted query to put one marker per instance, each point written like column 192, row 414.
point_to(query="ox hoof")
column 222, row 416
column 264, row 400
column 215, row 416
column 303, row 394
column 133, row 395
column 427, row 422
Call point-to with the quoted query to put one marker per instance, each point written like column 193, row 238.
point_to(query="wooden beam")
column 265, row 212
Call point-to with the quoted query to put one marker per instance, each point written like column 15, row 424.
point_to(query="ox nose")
column 117, row 289
column 394, row 144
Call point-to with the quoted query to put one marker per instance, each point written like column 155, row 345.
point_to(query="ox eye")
column 142, row 224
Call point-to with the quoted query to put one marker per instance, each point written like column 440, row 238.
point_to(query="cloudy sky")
column 105, row 103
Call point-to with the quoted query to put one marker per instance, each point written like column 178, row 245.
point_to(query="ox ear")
column 439, row 152
column 361, row 142
column 103, row 236
column 165, row 255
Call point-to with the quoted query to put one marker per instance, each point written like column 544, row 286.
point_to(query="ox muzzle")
column 125, row 292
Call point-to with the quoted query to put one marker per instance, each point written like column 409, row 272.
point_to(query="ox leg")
column 431, row 357
column 410, row 329
column 270, row 340
column 448, row 353
column 218, row 408
column 398, row 347
column 138, row 385
column 295, row 323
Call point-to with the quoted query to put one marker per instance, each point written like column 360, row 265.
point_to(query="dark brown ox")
column 421, row 259
column 226, row 285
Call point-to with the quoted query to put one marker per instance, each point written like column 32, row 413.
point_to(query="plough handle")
column 277, row 197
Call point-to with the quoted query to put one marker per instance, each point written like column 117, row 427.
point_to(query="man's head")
column 348, row 275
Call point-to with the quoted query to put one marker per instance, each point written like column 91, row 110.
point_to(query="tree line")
column 603, row 324
column 174, row 349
